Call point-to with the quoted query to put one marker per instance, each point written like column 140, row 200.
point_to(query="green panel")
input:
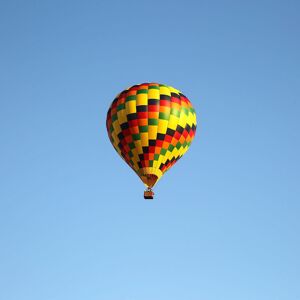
column 136, row 137
column 153, row 121
column 153, row 87
column 175, row 112
column 185, row 110
column 131, row 98
column 163, row 151
column 164, row 116
column 142, row 92
column 143, row 128
column 171, row 147
column 121, row 106
column 114, row 117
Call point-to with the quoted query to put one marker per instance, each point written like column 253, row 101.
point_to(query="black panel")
column 153, row 101
column 142, row 108
column 160, row 136
column 152, row 142
column 170, row 131
column 188, row 128
column 175, row 95
column 121, row 136
column 124, row 126
column 164, row 97
column 179, row 129
column 131, row 117
column 145, row 149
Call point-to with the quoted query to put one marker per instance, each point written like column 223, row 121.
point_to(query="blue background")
column 225, row 221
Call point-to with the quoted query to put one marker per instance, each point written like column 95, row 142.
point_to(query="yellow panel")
column 130, row 107
column 190, row 119
column 185, row 149
column 175, row 153
column 159, row 161
column 164, row 90
column 171, row 154
column 135, row 160
column 116, row 126
column 182, row 119
column 141, row 99
column 173, row 90
column 116, row 139
column 167, row 155
column 173, row 121
column 194, row 119
column 138, row 146
column 153, row 94
column 144, row 139
column 162, row 126
column 122, row 116
column 152, row 132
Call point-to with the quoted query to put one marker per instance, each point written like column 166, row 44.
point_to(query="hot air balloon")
column 151, row 126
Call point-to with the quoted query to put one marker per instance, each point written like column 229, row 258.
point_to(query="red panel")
column 159, row 143
column 128, row 139
column 135, row 130
column 126, row 132
column 177, row 135
column 151, row 149
column 164, row 103
column 168, row 138
column 153, row 108
column 133, row 123
column 142, row 115
column 176, row 100
column 185, row 133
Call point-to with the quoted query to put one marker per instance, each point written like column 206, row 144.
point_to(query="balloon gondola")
column 148, row 194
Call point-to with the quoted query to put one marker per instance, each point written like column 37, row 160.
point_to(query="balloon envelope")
column 151, row 126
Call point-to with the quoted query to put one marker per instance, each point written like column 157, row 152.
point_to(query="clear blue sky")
column 225, row 223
